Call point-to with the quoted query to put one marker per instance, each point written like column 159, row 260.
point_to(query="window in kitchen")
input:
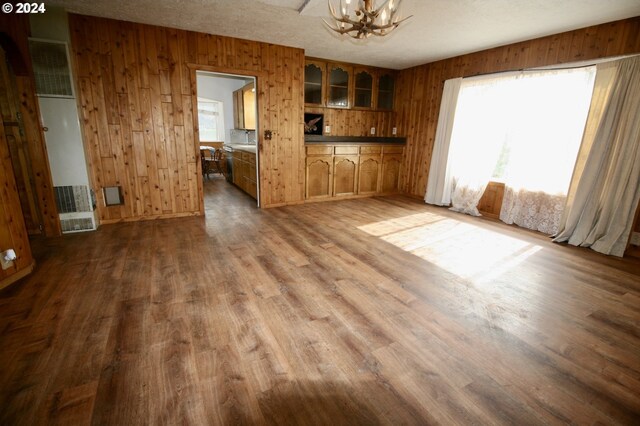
column 210, row 120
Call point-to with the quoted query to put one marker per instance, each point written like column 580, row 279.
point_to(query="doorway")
column 227, row 131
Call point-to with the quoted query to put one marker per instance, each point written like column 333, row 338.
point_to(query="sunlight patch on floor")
column 466, row 250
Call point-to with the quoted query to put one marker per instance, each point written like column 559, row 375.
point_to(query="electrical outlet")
column 373, row 130
column 7, row 258
column 394, row 131
column 327, row 129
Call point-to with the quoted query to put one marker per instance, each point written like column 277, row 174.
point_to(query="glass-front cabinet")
column 339, row 85
column 386, row 85
column 339, row 82
column 363, row 96
column 314, row 83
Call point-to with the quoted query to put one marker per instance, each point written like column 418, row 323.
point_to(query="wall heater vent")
column 76, row 205
column 51, row 68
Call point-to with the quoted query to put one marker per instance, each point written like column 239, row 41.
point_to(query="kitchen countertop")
column 246, row 148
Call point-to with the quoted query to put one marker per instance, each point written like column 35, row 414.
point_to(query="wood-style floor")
column 368, row 311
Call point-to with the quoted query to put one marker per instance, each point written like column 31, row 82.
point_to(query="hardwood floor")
column 366, row 311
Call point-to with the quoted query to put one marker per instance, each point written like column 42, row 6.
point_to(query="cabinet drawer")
column 393, row 149
column 345, row 150
column 370, row 149
column 251, row 172
column 319, row 150
column 237, row 154
column 245, row 156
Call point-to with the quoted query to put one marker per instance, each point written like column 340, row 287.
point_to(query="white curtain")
column 479, row 132
column 544, row 128
column 439, row 183
column 605, row 187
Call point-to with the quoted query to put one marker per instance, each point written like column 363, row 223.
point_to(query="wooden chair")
column 215, row 164
column 204, row 162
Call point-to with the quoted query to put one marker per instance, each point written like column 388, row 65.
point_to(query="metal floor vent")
column 77, row 225
column 76, row 205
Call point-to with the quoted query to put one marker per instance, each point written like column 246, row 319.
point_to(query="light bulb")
column 383, row 17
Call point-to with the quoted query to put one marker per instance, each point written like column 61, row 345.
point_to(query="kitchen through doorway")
column 228, row 122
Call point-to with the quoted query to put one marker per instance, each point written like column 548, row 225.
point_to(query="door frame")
column 260, row 80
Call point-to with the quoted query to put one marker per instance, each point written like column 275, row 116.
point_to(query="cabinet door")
column 238, row 109
column 249, row 106
column 390, row 173
column 363, row 93
column 237, row 171
column 345, row 175
column 339, row 77
column 386, row 87
column 319, row 173
column 314, row 73
column 369, row 173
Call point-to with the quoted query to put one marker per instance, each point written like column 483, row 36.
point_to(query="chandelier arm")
column 377, row 11
column 339, row 30
column 365, row 24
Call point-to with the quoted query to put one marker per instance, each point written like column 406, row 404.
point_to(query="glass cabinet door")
column 338, row 87
column 313, row 84
column 385, row 91
column 364, row 90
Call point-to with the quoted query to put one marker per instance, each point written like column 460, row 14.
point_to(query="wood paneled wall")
column 136, row 87
column 419, row 89
column 13, row 233
column 16, row 28
column 352, row 122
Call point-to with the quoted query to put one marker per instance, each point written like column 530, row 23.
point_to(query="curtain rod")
column 554, row 68
column 528, row 70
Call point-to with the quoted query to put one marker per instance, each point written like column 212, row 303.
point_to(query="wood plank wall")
column 137, row 93
column 16, row 28
column 13, row 233
column 420, row 88
column 353, row 122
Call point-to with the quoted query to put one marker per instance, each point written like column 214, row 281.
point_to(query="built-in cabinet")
column 244, row 172
column 244, row 107
column 338, row 85
column 335, row 171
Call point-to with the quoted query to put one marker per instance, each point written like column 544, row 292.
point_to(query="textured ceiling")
column 439, row 28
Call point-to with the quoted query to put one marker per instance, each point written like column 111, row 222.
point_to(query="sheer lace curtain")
column 522, row 128
column 479, row 132
column 544, row 135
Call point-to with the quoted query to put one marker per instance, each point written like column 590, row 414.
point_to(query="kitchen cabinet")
column 385, row 92
column 390, row 174
column 339, row 86
column 369, row 172
column 314, row 86
column 244, row 172
column 343, row 171
column 244, row 108
column 319, row 176
column 345, row 175
column 363, row 92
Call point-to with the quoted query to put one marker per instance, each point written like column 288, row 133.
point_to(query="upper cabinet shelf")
column 334, row 85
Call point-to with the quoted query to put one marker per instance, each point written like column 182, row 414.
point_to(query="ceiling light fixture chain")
column 368, row 19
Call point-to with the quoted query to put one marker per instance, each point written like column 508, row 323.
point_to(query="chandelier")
column 367, row 20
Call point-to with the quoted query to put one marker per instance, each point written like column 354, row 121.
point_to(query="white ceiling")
column 439, row 28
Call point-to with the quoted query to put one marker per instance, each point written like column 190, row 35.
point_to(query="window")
column 210, row 120
column 524, row 128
